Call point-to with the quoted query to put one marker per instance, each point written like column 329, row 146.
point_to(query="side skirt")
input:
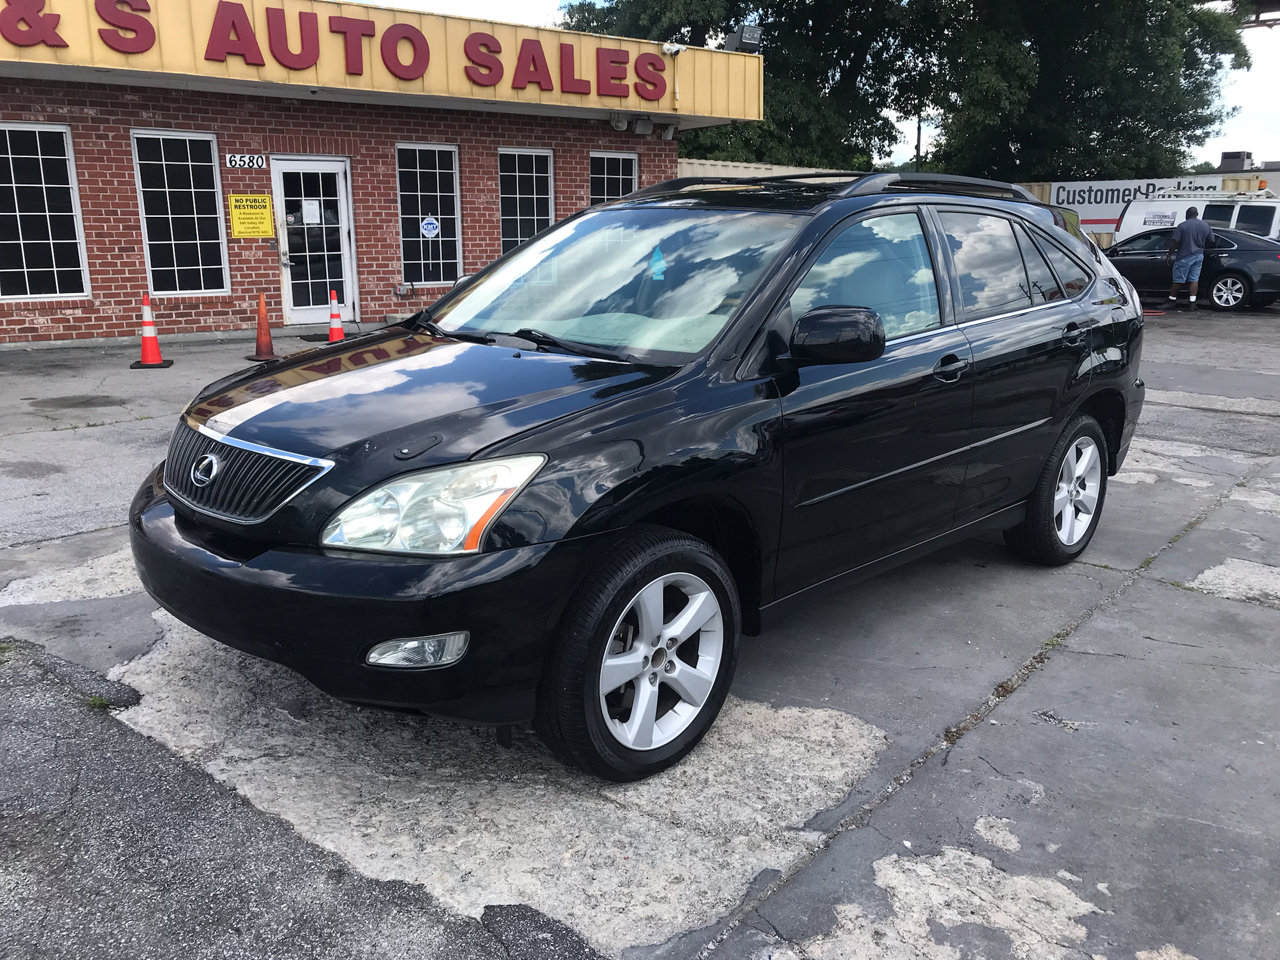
column 775, row 612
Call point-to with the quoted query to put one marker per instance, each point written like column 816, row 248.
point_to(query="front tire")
column 646, row 652
column 1063, row 510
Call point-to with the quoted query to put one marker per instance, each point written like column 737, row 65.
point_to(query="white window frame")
column 606, row 154
column 142, row 214
column 551, row 182
column 457, row 206
column 87, row 294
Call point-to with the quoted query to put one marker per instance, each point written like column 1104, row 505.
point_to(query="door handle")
column 1073, row 334
column 949, row 368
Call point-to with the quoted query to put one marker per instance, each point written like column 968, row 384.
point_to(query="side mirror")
column 838, row 334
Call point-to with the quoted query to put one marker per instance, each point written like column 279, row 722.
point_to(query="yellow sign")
column 251, row 215
column 318, row 45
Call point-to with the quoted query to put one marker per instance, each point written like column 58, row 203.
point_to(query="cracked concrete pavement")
column 965, row 757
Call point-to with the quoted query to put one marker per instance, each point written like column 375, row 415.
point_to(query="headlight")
column 435, row 512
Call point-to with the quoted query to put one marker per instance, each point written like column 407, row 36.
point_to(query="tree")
column 1106, row 89
column 831, row 72
column 1023, row 89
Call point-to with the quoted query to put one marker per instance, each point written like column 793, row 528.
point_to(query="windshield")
column 657, row 284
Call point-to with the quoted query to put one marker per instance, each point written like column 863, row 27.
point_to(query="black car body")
column 1240, row 269
column 771, row 454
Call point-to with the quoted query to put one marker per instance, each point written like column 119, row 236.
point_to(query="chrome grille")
column 251, row 482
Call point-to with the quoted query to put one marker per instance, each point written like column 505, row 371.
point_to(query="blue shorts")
column 1187, row 269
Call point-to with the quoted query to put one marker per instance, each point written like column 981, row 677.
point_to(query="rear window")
column 988, row 263
column 1075, row 279
column 1256, row 218
column 1043, row 286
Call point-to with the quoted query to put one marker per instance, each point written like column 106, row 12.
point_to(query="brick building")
column 207, row 152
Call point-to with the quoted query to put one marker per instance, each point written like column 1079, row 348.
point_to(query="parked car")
column 1239, row 271
column 564, row 492
column 1254, row 211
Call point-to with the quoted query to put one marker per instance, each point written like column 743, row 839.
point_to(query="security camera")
column 618, row 122
column 673, row 49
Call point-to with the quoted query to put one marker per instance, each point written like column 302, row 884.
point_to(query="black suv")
column 564, row 492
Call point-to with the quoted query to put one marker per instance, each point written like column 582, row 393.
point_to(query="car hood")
column 437, row 399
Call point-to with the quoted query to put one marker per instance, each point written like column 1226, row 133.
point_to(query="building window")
column 525, row 190
column 41, row 237
column 613, row 176
column 181, row 212
column 430, row 235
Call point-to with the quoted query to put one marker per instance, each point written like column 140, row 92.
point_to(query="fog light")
column 438, row 651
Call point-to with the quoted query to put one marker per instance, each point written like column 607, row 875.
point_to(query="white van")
column 1255, row 211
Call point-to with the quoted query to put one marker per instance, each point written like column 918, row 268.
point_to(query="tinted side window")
column 1044, row 287
column 1146, row 242
column 1218, row 214
column 882, row 263
column 1074, row 278
column 1256, row 218
column 992, row 279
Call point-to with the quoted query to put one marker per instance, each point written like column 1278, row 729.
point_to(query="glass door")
column 313, row 211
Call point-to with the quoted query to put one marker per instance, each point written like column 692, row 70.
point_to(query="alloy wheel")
column 661, row 661
column 1228, row 292
column 1075, row 500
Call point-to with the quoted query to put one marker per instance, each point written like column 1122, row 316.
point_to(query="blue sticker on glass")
column 430, row 227
column 657, row 264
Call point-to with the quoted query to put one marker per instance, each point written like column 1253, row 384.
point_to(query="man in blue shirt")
column 1186, row 250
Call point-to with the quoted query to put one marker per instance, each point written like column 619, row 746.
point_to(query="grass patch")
column 98, row 703
column 6, row 652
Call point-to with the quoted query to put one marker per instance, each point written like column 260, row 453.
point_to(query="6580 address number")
column 249, row 161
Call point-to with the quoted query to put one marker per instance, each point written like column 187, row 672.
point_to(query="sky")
column 1256, row 127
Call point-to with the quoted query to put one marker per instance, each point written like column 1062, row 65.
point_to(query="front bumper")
column 319, row 612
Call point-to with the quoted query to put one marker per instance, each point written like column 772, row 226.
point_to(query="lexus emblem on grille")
column 205, row 469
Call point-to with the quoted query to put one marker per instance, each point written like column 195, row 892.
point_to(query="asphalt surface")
column 965, row 757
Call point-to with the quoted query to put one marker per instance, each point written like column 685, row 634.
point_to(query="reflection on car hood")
column 394, row 385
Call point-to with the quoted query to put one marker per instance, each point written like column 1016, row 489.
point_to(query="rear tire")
column 1063, row 510
column 646, row 651
column 1231, row 291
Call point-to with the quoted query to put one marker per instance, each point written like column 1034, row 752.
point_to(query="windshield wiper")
column 543, row 340
column 422, row 319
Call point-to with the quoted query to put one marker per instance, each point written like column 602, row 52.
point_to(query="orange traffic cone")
column 265, row 349
column 151, row 358
column 335, row 319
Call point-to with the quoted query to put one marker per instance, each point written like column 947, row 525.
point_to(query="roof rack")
column 815, row 175
column 1263, row 194
column 862, row 183
column 681, row 183
column 942, row 182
